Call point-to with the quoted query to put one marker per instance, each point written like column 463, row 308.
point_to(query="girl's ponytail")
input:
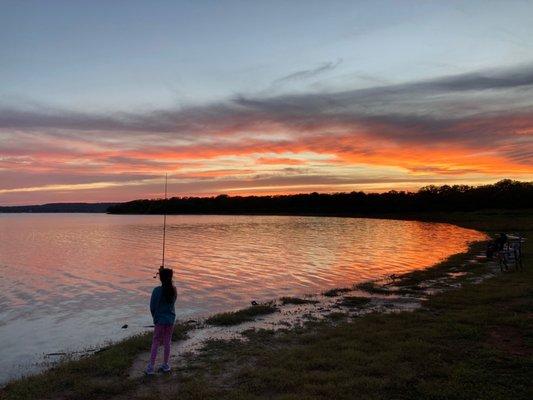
column 169, row 291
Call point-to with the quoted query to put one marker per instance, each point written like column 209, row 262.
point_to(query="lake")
column 70, row 281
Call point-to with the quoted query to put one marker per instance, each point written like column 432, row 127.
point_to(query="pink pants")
column 162, row 336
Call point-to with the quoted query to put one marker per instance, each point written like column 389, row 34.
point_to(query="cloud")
column 475, row 125
column 497, row 91
column 279, row 161
column 308, row 73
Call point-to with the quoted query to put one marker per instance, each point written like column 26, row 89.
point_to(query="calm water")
column 70, row 281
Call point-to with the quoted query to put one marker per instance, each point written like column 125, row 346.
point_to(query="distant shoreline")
column 58, row 208
column 429, row 201
column 505, row 194
column 428, row 216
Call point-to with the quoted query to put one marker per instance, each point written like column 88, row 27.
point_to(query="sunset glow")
column 321, row 120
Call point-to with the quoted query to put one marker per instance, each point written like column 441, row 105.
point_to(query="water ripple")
column 96, row 271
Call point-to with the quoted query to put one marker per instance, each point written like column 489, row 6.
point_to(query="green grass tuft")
column 180, row 332
column 336, row 292
column 373, row 287
column 337, row 316
column 297, row 300
column 240, row 316
column 354, row 301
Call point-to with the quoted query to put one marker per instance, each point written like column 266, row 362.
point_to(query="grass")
column 449, row 354
column 336, row 292
column 474, row 342
column 240, row 316
column 354, row 301
column 180, row 332
column 102, row 373
column 373, row 288
column 297, row 301
column 337, row 316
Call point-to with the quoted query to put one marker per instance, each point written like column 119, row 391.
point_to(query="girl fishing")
column 162, row 308
column 164, row 315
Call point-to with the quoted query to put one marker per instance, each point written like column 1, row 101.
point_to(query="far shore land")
column 505, row 194
column 466, row 333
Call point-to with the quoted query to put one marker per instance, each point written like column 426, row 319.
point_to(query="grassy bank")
column 101, row 374
column 240, row 316
column 471, row 343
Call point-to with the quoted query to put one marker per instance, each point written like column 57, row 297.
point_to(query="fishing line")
column 164, row 222
column 164, row 227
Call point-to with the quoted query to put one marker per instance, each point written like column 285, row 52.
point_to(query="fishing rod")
column 164, row 227
column 125, row 326
column 164, row 222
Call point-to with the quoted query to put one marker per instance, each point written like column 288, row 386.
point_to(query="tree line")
column 505, row 194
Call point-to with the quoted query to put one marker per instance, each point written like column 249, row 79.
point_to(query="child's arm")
column 154, row 300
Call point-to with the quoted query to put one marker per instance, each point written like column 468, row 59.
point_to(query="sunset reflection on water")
column 77, row 278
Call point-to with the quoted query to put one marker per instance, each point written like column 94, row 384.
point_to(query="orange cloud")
column 279, row 161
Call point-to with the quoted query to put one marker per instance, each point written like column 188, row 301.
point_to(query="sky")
column 99, row 99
